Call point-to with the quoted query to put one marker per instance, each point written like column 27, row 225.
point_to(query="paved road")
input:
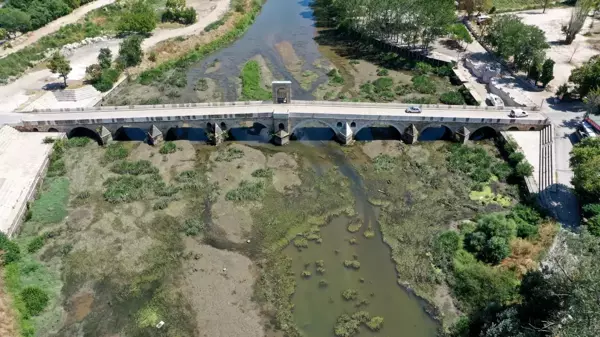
column 32, row 37
column 476, row 114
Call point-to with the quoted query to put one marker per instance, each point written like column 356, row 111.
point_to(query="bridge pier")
column 281, row 137
column 463, row 135
column 155, row 136
column 345, row 135
column 105, row 135
column 410, row 135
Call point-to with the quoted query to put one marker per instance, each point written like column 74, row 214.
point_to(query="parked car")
column 517, row 113
column 585, row 130
column 413, row 110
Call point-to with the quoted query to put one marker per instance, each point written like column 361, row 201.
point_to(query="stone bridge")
column 281, row 120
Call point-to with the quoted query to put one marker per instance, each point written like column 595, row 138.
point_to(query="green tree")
column 523, row 169
column 585, row 158
column 105, row 58
column 130, row 51
column 592, row 101
column 547, row 72
column 534, row 72
column 587, row 76
column 517, row 42
column 138, row 18
column 490, row 239
column 14, row 20
column 460, row 33
column 93, row 72
column 60, row 65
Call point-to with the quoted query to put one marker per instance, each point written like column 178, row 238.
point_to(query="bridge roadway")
column 346, row 119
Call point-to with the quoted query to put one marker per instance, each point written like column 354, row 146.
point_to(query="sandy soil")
column 234, row 218
column 219, row 285
column 284, row 168
column 580, row 50
column 8, row 323
column 32, row 37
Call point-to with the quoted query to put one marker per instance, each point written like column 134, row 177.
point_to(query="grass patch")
column 168, row 147
column 263, row 173
column 335, row 78
column 115, row 151
column 247, row 191
column 229, row 154
column 134, row 167
column 252, row 89
column 51, row 207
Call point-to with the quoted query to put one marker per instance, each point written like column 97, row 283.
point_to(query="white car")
column 413, row 110
column 517, row 113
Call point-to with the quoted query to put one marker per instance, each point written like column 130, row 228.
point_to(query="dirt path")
column 32, row 37
column 8, row 324
column 29, row 86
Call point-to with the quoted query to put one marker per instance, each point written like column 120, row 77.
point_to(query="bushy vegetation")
column 586, row 77
column 263, row 173
column 115, row 151
column 352, row 264
column 452, row 98
column 177, row 12
column 334, row 77
column 251, row 83
column 229, row 154
column 36, row 244
column 423, row 84
column 134, row 167
column 585, row 157
column 348, row 325
column 35, row 300
column 350, row 294
column 247, row 191
column 490, row 238
column 168, row 147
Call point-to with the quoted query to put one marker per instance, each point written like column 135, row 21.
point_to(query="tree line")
column 25, row 15
column 414, row 23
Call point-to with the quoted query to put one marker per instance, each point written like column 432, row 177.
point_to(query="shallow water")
column 279, row 21
column 317, row 308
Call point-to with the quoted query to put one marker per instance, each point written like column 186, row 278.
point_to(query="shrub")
column 124, row 189
column 452, row 98
column 323, row 283
column 423, row 68
column 502, row 170
column 229, row 154
column 78, row 141
column 10, row 250
column 115, row 151
column 526, row 214
column 383, row 84
column 403, row 89
column 177, row 78
column 107, row 79
column 382, row 72
column 369, row 232
column 591, row 210
column 423, row 84
column 306, row 274
column 350, row 294
column 48, row 140
column 130, row 51
column 445, row 247
column 168, row 147
column 375, row 323
column 152, row 56
column 36, row 244
column 526, row 230
column 134, row 167
column 193, row 227
column 247, row 191
column 335, row 77
column 263, row 173
column 516, row 157
column 35, row 300
column 300, row 242
column 201, row 85
column 523, row 169
column 490, row 239
column 353, row 264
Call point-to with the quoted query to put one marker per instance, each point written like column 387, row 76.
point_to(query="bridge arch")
column 130, row 133
column 379, row 131
column 483, row 132
column 435, row 131
column 53, row 130
column 186, row 133
column 253, row 131
column 303, row 123
column 82, row 131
